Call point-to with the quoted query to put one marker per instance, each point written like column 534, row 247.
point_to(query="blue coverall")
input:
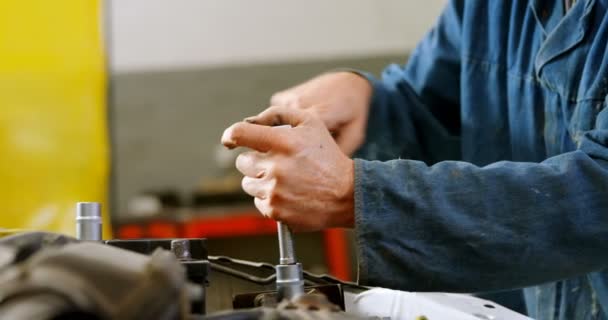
column 499, row 124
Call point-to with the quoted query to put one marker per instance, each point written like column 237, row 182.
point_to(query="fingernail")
column 250, row 120
column 227, row 140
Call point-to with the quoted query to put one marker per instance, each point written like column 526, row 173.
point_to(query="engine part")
column 242, row 284
column 312, row 305
column 191, row 253
column 282, row 314
column 332, row 294
column 88, row 221
column 20, row 246
column 54, row 277
column 233, row 267
column 93, row 281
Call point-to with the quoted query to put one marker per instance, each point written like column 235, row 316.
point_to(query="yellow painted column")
column 53, row 117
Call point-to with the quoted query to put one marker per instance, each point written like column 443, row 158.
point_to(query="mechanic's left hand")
column 297, row 173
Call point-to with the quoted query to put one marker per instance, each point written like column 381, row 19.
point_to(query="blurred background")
column 124, row 101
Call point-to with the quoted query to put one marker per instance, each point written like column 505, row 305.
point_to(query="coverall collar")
column 569, row 32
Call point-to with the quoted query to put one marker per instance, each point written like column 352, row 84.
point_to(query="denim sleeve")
column 457, row 227
column 415, row 111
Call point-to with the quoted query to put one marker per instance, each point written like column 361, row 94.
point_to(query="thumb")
column 257, row 137
column 277, row 116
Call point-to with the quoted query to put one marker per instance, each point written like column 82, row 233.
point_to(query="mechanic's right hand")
column 340, row 99
column 297, row 173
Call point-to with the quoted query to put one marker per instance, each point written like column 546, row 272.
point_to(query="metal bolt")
column 181, row 249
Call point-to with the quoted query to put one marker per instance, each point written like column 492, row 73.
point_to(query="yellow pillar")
column 53, row 126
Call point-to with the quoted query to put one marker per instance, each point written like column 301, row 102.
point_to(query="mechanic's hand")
column 298, row 175
column 340, row 99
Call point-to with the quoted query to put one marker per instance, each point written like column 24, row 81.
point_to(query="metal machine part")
column 290, row 280
column 233, row 267
column 191, row 253
column 259, row 277
column 315, row 304
column 283, row 313
column 332, row 295
column 166, row 279
column 181, row 249
column 89, row 280
column 54, row 277
column 88, row 221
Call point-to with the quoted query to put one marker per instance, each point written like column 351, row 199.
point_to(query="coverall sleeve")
column 457, row 227
column 453, row 226
column 415, row 111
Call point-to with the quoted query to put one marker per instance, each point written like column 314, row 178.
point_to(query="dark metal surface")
column 332, row 292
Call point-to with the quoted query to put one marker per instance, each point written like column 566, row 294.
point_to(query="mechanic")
column 493, row 141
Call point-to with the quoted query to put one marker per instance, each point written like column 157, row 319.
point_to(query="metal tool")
column 88, row 221
column 286, row 250
column 290, row 279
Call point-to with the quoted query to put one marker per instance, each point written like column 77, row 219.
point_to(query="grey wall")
column 166, row 124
